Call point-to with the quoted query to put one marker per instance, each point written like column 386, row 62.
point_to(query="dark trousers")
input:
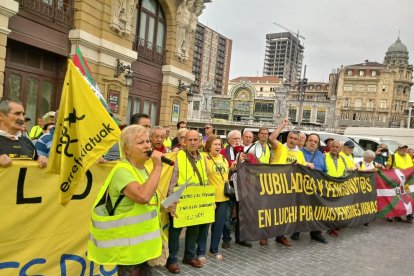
column 218, row 226
column 191, row 236
column 227, row 222
column 202, row 239
column 237, row 226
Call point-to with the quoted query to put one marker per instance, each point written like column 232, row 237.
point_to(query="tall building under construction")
column 283, row 56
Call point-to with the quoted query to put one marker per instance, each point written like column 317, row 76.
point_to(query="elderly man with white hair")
column 157, row 136
column 234, row 154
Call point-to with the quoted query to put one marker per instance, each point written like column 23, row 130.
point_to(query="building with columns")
column 262, row 101
column 372, row 94
column 155, row 38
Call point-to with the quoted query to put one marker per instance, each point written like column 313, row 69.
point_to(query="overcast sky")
column 337, row 32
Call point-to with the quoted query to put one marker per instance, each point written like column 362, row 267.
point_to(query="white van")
column 403, row 136
column 371, row 143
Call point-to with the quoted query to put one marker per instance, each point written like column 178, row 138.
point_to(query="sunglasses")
column 207, row 127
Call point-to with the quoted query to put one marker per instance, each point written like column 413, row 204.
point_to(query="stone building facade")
column 372, row 94
column 154, row 37
column 262, row 101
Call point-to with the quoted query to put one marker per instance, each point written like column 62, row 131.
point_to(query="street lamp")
column 121, row 68
column 182, row 87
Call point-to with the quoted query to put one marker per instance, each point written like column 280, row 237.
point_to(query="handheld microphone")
column 238, row 149
column 164, row 159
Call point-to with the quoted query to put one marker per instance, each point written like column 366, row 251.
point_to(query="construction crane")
column 283, row 27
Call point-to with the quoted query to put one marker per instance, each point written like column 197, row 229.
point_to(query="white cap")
column 48, row 115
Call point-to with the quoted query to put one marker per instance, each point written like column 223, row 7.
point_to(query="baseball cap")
column 48, row 115
column 402, row 146
column 349, row 144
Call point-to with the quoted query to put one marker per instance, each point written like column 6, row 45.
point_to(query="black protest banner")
column 281, row 199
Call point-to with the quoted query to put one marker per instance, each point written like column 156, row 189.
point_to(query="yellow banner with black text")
column 40, row 236
column 196, row 206
column 282, row 199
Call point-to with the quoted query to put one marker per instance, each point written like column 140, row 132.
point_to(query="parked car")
column 403, row 136
column 371, row 143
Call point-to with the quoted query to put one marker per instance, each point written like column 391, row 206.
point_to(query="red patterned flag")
column 395, row 191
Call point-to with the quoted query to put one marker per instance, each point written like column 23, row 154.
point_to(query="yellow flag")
column 84, row 131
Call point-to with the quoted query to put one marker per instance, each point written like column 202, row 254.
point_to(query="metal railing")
column 56, row 11
column 149, row 50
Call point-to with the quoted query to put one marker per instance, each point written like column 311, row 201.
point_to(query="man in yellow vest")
column 401, row 160
column 263, row 137
column 36, row 130
column 346, row 153
column 287, row 153
column 336, row 166
column 190, row 167
column 167, row 139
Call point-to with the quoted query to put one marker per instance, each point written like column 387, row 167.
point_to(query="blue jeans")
column 202, row 239
column 191, row 236
column 227, row 221
column 218, row 226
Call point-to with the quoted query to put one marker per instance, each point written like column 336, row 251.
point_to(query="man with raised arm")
column 287, row 153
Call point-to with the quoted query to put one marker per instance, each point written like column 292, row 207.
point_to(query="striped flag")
column 395, row 192
column 80, row 62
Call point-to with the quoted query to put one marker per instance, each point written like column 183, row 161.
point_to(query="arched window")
column 150, row 31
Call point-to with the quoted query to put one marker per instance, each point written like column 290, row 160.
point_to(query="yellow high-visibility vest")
column 35, row 132
column 186, row 171
column 167, row 142
column 400, row 162
column 265, row 158
column 349, row 159
column 332, row 170
column 125, row 239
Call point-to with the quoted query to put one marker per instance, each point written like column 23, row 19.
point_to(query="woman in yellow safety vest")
column 125, row 231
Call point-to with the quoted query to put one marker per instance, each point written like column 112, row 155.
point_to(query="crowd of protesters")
column 200, row 160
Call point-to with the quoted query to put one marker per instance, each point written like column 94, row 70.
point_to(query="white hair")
column 154, row 129
column 233, row 133
column 368, row 154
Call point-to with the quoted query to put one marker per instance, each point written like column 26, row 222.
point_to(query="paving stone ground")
column 382, row 248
